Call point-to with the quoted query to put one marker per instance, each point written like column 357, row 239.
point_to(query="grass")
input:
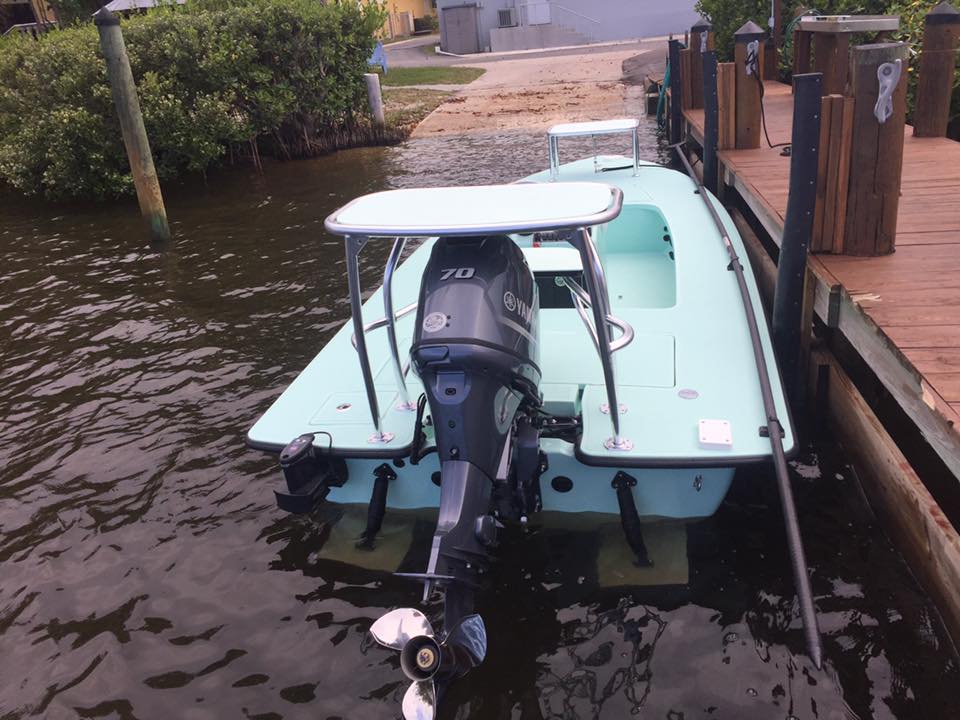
column 443, row 75
column 406, row 107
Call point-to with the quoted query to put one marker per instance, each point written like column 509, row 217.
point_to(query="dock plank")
column 925, row 336
column 931, row 361
column 901, row 311
column 949, row 385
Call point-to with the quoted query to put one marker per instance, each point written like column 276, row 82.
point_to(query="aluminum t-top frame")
column 619, row 126
column 570, row 208
column 837, row 24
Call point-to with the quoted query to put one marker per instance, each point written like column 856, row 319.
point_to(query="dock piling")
column 375, row 99
column 876, row 159
column 831, row 53
column 726, row 106
column 676, row 93
column 797, row 230
column 701, row 42
column 135, row 140
column 801, row 45
column 938, row 60
column 748, row 56
column 686, row 76
column 710, row 120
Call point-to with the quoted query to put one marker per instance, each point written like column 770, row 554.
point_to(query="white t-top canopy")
column 596, row 127
column 478, row 210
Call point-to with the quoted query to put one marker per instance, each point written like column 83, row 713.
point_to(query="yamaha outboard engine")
column 476, row 350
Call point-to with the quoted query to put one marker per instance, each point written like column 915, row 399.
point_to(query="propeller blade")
column 470, row 637
column 420, row 701
column 394, row 629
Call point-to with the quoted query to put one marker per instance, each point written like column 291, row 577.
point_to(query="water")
column 147, row 574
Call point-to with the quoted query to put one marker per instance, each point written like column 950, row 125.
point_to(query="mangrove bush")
column 215, row 77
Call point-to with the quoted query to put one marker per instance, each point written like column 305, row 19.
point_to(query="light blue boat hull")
column 691, row 360
column 661, row 493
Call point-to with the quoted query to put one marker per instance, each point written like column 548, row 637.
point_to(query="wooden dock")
column 901, row 312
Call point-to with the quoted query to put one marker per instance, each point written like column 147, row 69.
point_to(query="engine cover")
column 476, row 344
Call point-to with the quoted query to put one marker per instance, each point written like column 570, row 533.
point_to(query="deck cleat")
column 427, row 661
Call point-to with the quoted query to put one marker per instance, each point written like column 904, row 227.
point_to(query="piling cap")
column 104, row 17
column 749, row 32
column 943, row 14
column 701, row 25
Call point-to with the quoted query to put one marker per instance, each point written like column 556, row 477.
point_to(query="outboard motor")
column 476, row 350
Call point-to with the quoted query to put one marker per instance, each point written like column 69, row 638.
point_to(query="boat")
column 585, row 340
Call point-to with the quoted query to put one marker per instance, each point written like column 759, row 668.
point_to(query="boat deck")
column 902, row 311
column 667, row 277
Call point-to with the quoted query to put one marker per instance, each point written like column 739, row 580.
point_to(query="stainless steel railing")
column 582, row 303
column 595, row 297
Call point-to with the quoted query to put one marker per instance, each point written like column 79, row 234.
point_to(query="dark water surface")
column 147, row 574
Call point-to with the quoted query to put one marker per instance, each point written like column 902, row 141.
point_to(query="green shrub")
column 277, row 75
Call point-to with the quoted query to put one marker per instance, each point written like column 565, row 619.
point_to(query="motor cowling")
column 476, row 344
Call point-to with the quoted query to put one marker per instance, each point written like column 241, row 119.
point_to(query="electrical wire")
column 754, row 61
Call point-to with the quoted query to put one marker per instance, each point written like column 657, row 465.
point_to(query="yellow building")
column 402, row 14
column 26, row 15
column 417, row 8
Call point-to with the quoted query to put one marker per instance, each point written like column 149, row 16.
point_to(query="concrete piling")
column 375, row 98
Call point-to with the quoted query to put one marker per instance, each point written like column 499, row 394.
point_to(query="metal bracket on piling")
column 888, row 75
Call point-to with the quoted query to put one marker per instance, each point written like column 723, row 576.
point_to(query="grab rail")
column 582, row 302
column 382, row 322
column 599, row 301
column 398, row 373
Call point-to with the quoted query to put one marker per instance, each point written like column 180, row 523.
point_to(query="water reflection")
column 146, row 573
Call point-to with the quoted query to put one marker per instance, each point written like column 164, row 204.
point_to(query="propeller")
column 424, row 659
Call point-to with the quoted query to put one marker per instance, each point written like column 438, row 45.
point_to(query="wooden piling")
column 701, row 42
column 938, row 60
column 749, row 82
column 797, row 228
column 726, row 106
column 876, row 160
column 375, row 98
column 801, row 46
column 710, row 112
column 135, row 140
column 802, row 51
column 686, row 77
column 836, row 125
column 831, row 52
column 770, row 61
column 676, row 93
